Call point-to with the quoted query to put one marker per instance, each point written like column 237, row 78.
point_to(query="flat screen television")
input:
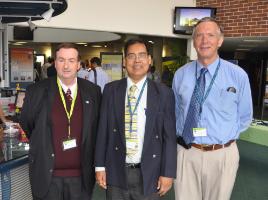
column 22, row 33
column 186, row 17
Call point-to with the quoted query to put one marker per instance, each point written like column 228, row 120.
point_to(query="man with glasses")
column 60, row 116
column 136, row 141
column 213, row 106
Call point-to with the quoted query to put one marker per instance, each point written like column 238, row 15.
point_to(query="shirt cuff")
column 98, row 169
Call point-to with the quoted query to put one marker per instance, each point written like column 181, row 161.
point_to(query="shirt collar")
column 139, row 84
column 72, row 87
column 211, row 68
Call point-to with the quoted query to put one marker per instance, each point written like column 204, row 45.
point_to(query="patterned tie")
column 131, row 123
column 194, row 108
column 69, row 95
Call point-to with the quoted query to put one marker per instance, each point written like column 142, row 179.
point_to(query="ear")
column 124, row 62
column 220, row 41
column 150, row 59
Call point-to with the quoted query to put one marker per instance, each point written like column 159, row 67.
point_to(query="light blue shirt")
column 225, row 114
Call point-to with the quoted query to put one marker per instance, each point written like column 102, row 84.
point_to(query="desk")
column 256, row 134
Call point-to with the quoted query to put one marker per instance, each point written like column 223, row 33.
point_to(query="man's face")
column 67, row 64
column 207, row 40
column 137, row 61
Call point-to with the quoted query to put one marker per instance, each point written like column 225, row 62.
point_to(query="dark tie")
column 194, row 108
column 69, row 95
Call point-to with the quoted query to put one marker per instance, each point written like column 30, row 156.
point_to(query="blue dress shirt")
column 227, row 110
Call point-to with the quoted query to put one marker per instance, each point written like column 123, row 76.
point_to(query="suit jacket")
column 159, row 148
column 36, row 122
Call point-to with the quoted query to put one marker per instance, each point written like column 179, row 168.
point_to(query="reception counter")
column 14, row 170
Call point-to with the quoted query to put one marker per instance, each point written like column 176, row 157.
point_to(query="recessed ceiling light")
column 242, row 49
column 256, row 40
column 150, row 41
column 82, row 43
column 96, row 46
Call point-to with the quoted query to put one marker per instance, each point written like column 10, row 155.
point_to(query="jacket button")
column 156, row 136
column 51, row 170
column 114, row 130
column 154, row 155
column 52, row 155
column 116, row 148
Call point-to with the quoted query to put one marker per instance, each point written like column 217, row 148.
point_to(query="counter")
column 14, row 170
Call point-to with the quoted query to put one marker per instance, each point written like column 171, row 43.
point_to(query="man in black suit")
column 136, row 140
column 60, row 117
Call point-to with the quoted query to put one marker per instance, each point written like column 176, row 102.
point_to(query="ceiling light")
column 48, row 14
column 259, row 41
column 96, row 46
column 82, row 43
column 150, row 41
column 242, row 49
column 31, row 25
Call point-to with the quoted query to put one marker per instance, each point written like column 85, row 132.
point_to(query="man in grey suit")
column 136, row 140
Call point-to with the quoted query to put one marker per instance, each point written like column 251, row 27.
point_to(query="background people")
column 97, row 75
column 60, row 116
column 213, row 106
column 136, row 141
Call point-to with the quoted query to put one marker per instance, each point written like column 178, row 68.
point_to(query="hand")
column 164, row 185
column 101, row 179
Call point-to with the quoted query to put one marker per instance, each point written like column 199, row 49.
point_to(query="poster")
column 112, row 64
column 21, row 65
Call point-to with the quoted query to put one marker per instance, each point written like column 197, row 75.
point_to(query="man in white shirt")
column 97, row 75
column 136, row 140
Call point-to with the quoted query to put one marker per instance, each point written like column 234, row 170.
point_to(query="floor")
column 252, row 177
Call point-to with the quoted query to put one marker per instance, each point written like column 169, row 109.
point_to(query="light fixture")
column 150, row 41
column 96, row 46
column 31, row 25
column 48, row 14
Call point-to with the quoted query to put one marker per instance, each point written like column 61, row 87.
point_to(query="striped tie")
column 194, row 108
column 131, row 123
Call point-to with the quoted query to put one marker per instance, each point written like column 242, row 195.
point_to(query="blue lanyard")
column 131, row 113
column 201, row 101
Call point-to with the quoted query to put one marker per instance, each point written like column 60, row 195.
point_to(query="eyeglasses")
column 70, row 61
column 140, row 56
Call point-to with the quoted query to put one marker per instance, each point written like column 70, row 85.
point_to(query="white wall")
column 147, row 17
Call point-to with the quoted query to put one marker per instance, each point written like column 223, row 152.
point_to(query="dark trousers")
column 135, row 188
column 66, row 188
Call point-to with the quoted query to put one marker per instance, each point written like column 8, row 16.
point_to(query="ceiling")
column 20, row 11
column 252, row 44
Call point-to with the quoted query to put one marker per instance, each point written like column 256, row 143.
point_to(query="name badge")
column 199, row 132
column 132, row 145
column 69, row 144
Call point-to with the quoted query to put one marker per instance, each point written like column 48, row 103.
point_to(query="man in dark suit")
column 60, row 117
column 136, row 140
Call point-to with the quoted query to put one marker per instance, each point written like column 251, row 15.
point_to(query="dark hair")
column 135, row 41
column 208, row 19
column 95, row 60
column 68, row 46
column 50, row 59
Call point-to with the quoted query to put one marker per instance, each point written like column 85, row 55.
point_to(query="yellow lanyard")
column 69, row 114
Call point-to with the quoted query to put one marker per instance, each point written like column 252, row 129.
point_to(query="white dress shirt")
column 72, row 87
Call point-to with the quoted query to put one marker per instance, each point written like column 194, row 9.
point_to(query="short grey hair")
column 208, row 19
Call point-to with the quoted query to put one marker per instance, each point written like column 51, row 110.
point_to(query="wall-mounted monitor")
column 186, row 17
column 22, row 33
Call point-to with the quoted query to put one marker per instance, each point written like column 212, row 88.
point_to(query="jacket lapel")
column 51, row 93
column 87, row 104
column 119, row 101
column 151, row 112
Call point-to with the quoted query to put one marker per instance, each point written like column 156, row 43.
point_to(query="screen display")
column 187, row 17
